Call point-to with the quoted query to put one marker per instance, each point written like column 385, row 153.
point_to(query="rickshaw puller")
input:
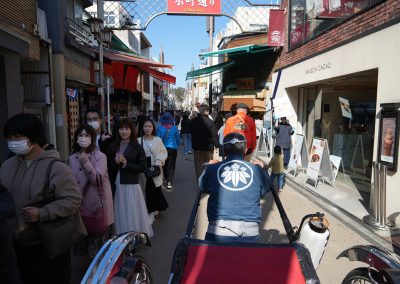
column 235, row 188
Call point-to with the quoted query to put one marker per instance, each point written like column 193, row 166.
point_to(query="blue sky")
column 182, row 38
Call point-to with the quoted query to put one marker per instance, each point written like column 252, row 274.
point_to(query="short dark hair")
column 203, row 108
column 27, row 125
column 154, row 132
column 90, row 130
column 238, row 148
column 277, row 149
column 92, row 109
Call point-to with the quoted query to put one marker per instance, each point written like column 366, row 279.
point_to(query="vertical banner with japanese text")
column 194, row 7
column 276, row 28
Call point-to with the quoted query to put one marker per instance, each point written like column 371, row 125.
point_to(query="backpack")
column 238, row 125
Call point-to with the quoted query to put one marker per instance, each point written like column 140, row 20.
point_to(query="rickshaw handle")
column 192, row 218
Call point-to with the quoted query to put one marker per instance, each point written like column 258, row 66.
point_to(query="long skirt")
column 130, row 209
column 155, row 199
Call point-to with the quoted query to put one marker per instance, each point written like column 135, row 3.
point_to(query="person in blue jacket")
column 235, row 188
column 169, row 134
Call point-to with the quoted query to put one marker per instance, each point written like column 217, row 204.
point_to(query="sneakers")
column 190, row 152
column 169, row 186
column 280, row 189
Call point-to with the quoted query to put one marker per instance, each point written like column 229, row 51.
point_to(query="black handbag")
column 57, row 235
column 152, row 170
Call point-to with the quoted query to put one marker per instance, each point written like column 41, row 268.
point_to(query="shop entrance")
column 350, row 134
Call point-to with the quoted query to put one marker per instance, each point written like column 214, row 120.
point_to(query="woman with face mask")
column 156, row 154
column 126, row 161
column 24, row 176
column 89, row 166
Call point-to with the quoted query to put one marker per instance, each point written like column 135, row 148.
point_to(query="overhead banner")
column 194, row 7
column 276, row 28
column 283, row 107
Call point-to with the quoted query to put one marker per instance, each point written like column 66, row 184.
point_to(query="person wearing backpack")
column 169, row 134
column 245, row 125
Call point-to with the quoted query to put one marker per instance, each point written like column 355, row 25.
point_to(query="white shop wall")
column 378, row 50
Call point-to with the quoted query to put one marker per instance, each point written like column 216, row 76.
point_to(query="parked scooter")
column 383, row 265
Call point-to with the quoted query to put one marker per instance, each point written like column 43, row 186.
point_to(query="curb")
column 345, row 217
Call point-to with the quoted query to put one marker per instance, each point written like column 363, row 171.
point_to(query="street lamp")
column 102, row 36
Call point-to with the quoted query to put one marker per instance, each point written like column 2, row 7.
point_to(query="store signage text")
column 194, row 7
column 318, row 68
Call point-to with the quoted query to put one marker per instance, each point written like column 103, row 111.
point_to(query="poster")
column 387, row 139
column 314, row 164
column 283, row 107
column 345, row 106
column 296, row 151
column 335, row 162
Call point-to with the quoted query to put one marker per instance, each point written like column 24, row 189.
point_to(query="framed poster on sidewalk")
column 388, row 140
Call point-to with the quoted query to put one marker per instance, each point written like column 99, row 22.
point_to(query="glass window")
column 309, row 18
column 109, row 18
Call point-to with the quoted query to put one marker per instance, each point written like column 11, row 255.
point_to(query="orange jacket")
column 245, row 125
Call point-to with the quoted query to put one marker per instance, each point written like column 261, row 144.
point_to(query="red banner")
column 276, row 36
column 194, row 7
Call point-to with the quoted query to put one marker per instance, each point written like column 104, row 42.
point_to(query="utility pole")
column 211, row 33
column 100, row 15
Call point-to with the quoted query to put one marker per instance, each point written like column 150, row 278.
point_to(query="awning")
column 209, row 70
column 129, row 59
column 119, row 45
column 159, row 75
column 252, row 48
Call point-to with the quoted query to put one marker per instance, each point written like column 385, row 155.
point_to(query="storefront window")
column 310, row 18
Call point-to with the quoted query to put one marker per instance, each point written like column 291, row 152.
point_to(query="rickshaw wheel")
column 142, row 274
column 360, row 276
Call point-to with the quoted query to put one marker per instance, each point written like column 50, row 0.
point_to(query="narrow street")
column 170, row 226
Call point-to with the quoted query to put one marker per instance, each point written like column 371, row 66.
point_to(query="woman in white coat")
column 156, row 154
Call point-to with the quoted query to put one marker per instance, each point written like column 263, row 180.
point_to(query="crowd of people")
column 116, row 183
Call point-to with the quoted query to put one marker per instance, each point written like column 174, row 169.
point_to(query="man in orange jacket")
column 244, row 124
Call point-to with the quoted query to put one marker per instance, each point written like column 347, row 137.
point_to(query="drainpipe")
column 50, row 112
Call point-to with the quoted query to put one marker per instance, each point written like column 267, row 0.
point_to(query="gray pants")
column 201, row 157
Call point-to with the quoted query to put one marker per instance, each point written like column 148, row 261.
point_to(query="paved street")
column 170, row 226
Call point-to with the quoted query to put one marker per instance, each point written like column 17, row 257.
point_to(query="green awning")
column 252, row 48
column 117, row 44
column 209, row 70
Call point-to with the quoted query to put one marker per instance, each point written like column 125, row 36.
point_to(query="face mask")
column 94, row 124
column 84, row 142
column 19, row 147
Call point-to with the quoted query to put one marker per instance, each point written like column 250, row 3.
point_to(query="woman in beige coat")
column 156, row 154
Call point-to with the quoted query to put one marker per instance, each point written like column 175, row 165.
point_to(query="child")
column 276, row 165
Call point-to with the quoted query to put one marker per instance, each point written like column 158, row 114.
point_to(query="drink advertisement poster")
column 335, row 162
column 314, row 164
column 296, row 152
column 345, row 106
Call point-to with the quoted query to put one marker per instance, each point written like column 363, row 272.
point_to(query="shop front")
column 338, row 97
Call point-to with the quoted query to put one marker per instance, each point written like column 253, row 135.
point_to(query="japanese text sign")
column 194, row 7
column 276, row 25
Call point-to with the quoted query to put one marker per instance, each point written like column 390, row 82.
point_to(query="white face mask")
column 19, row 147
column 84, row 142
column 94, row 124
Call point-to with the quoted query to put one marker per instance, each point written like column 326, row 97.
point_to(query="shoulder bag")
column 95, row 221
column 60, row 234
column 152, row 170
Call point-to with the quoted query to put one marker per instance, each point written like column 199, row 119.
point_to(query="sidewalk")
column 347, row 205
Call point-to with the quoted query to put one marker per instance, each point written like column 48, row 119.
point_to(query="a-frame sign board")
column 319, row 166
column 299, row 156
column 261, row 147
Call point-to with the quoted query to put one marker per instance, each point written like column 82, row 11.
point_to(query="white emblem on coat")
column 235, row 175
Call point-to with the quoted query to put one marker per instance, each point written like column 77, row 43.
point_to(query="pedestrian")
column 186, row 134
column 283, row 132
column 9, row 272
column 24, row 176
column 221, row 134
column 169, row 135
column 244, row 124
column 277, row 170
column 156, row 154
column 89, row 167
column 204, row 138
column 103, row 138
column 140, row 122
column 235, row 188
column 126, row 160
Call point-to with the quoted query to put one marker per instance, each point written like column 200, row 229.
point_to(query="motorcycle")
column 383, row 265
